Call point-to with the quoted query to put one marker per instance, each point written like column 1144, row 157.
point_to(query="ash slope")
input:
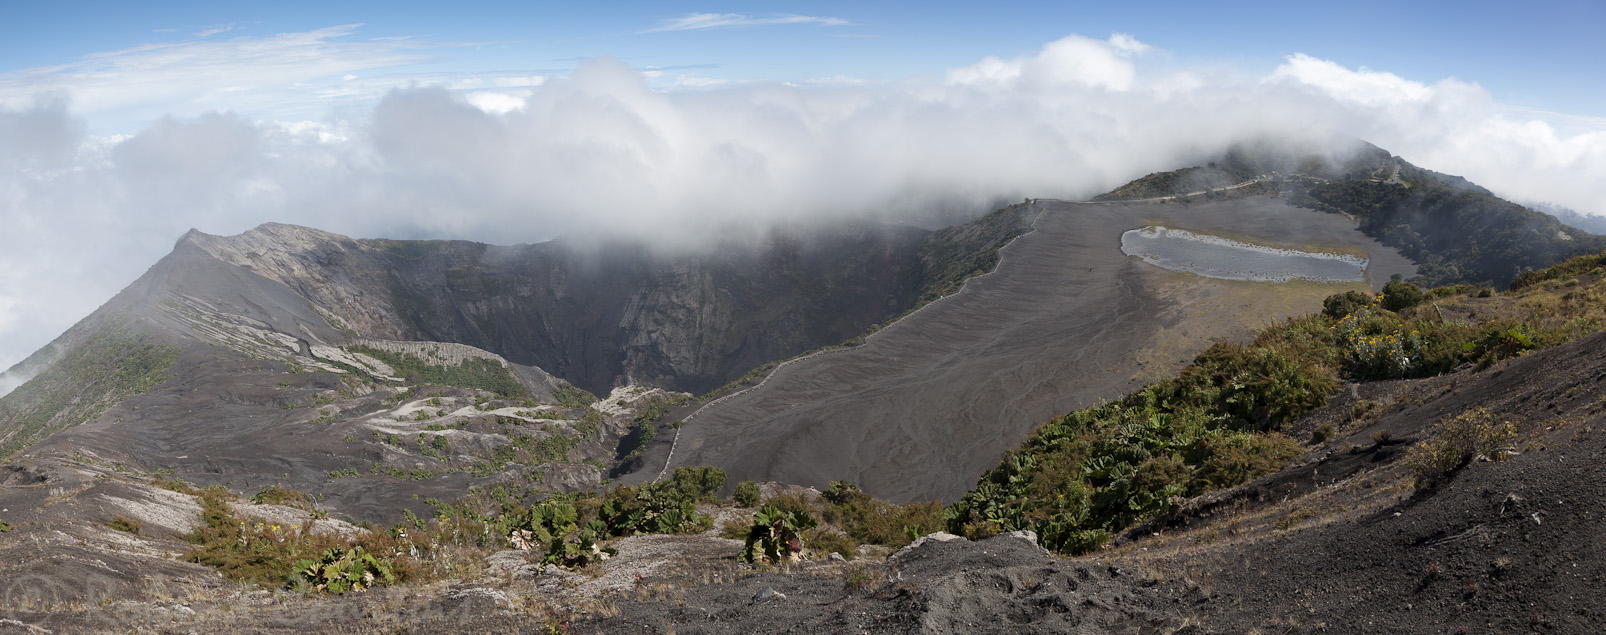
column 922, row 407
column 238, row 360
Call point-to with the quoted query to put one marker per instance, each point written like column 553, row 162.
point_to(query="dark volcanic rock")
column 605, row 315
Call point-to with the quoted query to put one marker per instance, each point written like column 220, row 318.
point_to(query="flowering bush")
column 1377, row 345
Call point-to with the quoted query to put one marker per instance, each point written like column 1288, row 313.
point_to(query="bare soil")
column 930, row 402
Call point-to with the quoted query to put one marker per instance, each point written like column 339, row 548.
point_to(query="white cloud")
column 698, row 81
column 698, row 21
column 1073, row 59
column 496, row 103
column 523, row 157
column 188, row 78
column 1364, row 86
column 214, row 30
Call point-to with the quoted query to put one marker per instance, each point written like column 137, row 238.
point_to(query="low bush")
column 823, row 541
column 1338, row 305
column 256, row 551
column 124, row 523
column 273, row 495
column 747, row 494
column 341, row 570
column 1399, row 295
column 872, row 521
column 776, row 535
column 1458, row 440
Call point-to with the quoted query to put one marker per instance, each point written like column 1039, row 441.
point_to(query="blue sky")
column 1542, row 55
column 122, row 125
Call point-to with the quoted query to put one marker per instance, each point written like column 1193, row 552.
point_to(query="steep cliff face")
column 336, row 275
column 598, row 316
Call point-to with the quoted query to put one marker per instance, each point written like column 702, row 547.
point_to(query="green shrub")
column 341, row 570
column 1398, row 295
column 747, row 493
column 868, row 520
column 573, row 397
column 776, row 535
column 1255, row 387
column 823, row 542
column 1338, row 305
column 790, row 502
column 478, row 373
column 1237, row 458
column 628, row 511
column 256, row 551
column 1458, row 440
column 272, row 495
column 124, row 523
column 1378, row 345
column 699, row 484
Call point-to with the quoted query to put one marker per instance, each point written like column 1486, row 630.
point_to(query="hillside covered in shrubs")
column 1087, row 475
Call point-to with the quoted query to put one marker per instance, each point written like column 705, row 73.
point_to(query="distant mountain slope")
column 1592, row 223
column 1456, row 231
column 1065, row 319
column 296, row 354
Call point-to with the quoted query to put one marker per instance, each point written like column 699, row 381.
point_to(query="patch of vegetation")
column 634, row 442
column 125, row 524
column 746, row 494
column 433, row 445
column 1175, row 183
column 824, row 541
column 1457, row 441
column 590, row 424
column 776, row 535
column 1587, row 264
column 1398, row 295
column 527, row 450
column 256, row 551
column 114, row 362
column 274, row 495
column 573, row 397
column 1085, row 475
column 1294, row 518
column 569, row 528
column 341, row 570
column 1455, row 234
column 868, row 520
column 950, row 256
column 476, row 372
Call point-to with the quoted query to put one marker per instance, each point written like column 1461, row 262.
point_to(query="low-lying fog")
column 600, row 153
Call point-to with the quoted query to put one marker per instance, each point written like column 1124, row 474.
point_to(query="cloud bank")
column 601, row 152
